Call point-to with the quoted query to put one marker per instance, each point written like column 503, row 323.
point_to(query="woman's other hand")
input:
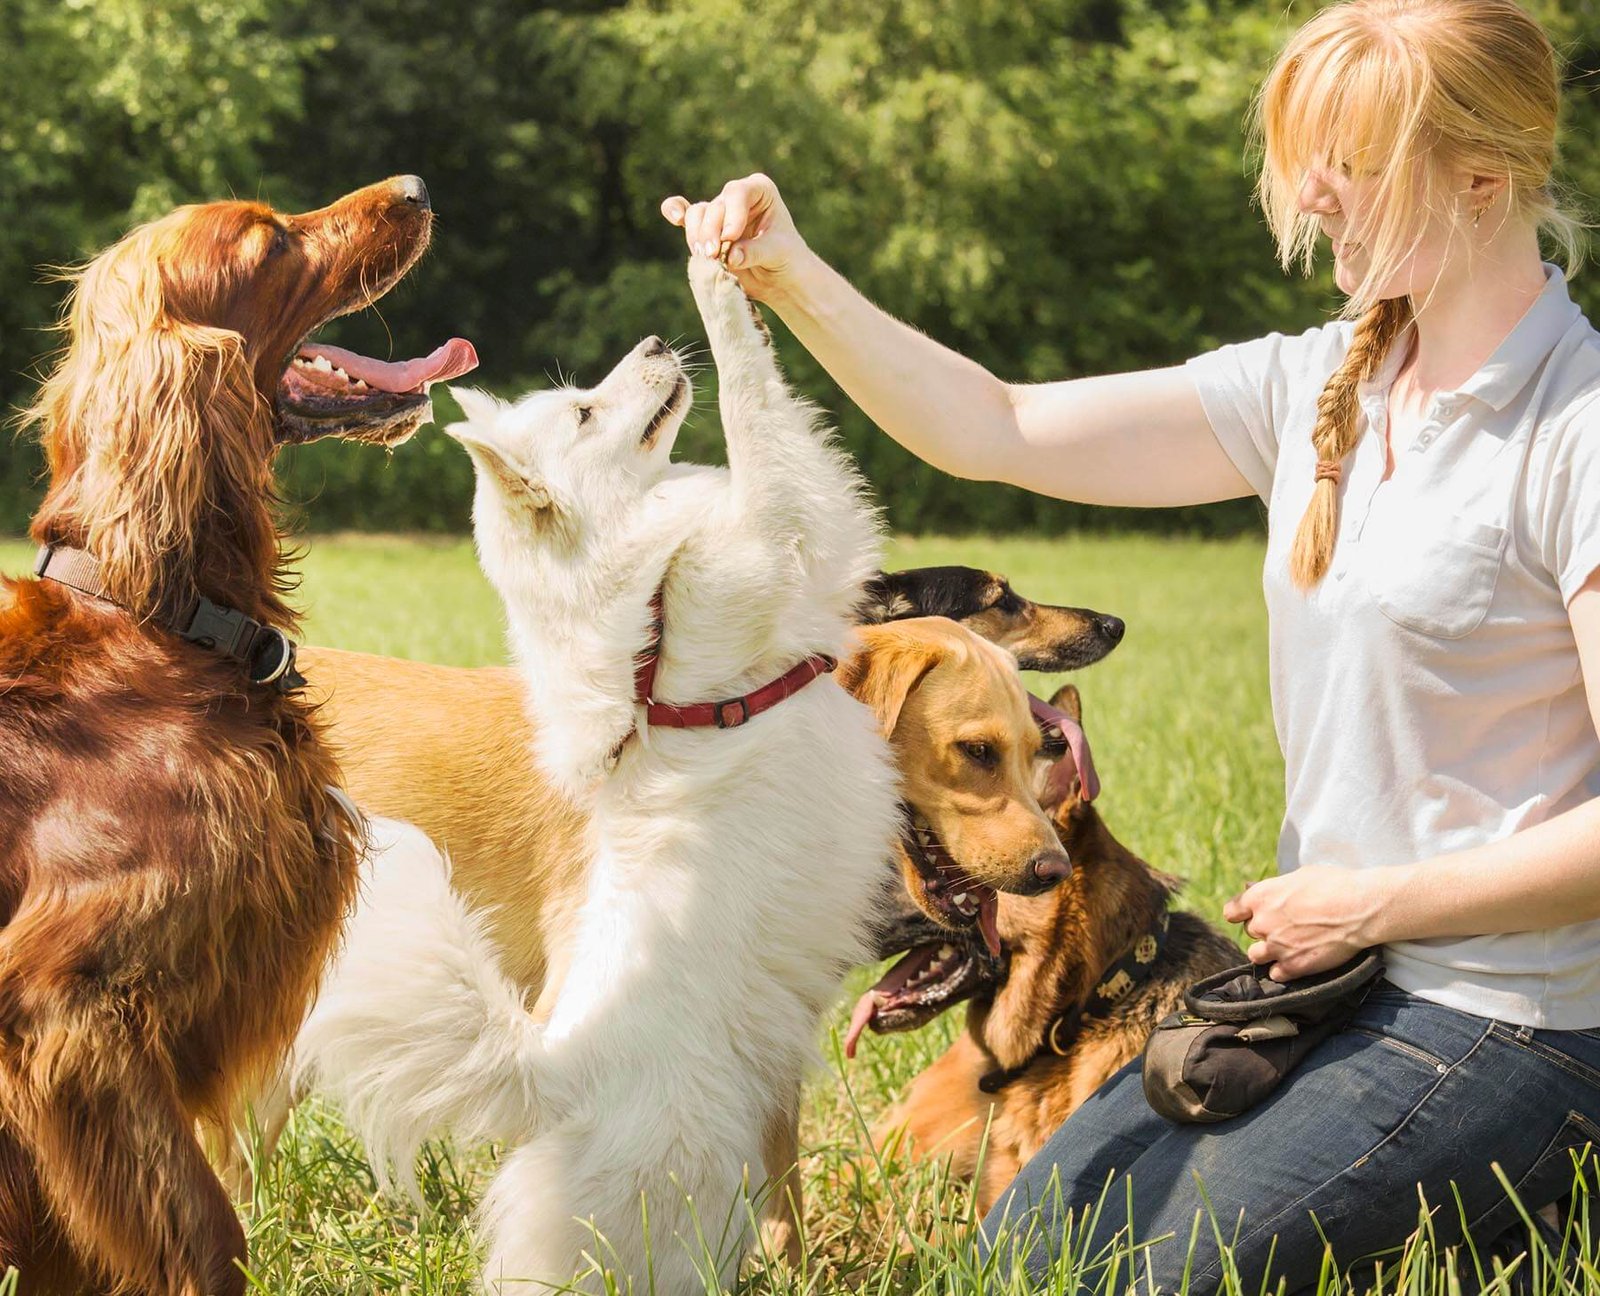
column 748, row 224
column 1309, row 920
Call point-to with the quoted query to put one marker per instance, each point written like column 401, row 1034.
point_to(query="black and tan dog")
column 1087, row 971
column 1040, row 636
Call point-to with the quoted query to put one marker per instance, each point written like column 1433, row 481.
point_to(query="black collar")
column 1112, row 986
column 265, row 651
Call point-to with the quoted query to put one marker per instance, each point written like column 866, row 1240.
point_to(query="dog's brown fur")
column 450, row 749
column 940, row 692
column 172, row 869
column 1057, row 945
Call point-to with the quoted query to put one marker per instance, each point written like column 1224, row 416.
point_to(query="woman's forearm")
column 944, row 408
column 1545, row 876
column 1140, row 438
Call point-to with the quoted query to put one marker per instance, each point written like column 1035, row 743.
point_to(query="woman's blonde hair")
column 1408, row 92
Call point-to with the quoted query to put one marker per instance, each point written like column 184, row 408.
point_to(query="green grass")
column 1179, row 719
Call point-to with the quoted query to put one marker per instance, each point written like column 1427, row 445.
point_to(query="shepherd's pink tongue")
column 454, row 358
column 1077, row 744
column 860, row 1019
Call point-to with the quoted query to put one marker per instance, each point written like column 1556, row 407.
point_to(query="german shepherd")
column 1086, row 972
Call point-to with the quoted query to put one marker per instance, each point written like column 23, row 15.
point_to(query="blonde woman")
column 1431, row 467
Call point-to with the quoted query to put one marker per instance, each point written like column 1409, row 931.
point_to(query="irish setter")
column 173, row 867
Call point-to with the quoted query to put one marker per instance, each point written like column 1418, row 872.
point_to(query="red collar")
column 729, row 714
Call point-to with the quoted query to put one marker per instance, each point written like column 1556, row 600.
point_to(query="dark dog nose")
column 411, row 190
column 1112, row 628
column 1050, row 867
column 654, row 346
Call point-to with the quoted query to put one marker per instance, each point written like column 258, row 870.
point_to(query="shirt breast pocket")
column 1436, row 575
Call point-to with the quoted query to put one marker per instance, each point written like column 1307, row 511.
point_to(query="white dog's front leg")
column 787, row 478
column 747, row 366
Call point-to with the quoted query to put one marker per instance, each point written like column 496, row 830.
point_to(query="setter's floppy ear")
column 886, row 669
column 156, row 435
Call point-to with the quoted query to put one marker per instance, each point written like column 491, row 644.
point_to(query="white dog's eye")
column 583, row 412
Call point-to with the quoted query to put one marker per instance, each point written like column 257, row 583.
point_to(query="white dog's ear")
column 478, row 405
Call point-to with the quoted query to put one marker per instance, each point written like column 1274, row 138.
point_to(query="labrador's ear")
column 1067, row 699
column 885, row 670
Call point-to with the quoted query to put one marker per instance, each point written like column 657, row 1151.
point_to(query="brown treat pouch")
column 1240, row 1033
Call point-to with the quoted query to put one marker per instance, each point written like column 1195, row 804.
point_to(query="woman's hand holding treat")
column 748, row 227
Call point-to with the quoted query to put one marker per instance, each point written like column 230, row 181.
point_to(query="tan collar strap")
column 267, row 653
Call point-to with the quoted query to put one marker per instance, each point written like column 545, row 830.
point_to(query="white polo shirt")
column 1427, row 695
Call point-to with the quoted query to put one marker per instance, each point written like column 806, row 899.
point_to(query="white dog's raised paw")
column 707, row 276
column 723, row 304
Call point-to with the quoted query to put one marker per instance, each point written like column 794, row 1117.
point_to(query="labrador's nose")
column 1051, row 867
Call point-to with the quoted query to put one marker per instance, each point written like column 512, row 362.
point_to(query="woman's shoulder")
column 1284, row 360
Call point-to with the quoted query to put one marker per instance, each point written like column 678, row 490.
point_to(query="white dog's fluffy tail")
column 417, row 1031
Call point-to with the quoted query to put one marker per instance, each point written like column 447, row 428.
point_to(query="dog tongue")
column 1077, row 744
column 860, row 1019
column 988, row 908
column 454, row 358
column 890, row 983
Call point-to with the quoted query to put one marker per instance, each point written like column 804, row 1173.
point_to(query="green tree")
column 115, row 111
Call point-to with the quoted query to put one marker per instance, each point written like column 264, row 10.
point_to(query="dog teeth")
column 322, row 363
column 945, row 951
column 361, row 384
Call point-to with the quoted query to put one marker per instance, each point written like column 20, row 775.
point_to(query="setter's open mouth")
column 328, row 391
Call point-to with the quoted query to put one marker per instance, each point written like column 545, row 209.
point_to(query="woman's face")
column 1344, row 201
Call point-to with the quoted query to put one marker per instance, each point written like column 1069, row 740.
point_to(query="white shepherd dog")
column 731, row 868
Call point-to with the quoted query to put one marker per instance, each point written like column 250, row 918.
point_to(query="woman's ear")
column 1483, row 192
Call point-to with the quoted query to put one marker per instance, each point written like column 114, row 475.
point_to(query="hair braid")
column 1336, row 433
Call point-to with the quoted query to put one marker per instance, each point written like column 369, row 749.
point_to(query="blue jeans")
column 1409, row 1094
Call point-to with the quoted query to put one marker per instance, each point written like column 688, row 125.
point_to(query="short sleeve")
column 1251, row 389
column 1571, row 523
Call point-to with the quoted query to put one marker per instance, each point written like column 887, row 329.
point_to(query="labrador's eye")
column 982, row 754
column 583, row 412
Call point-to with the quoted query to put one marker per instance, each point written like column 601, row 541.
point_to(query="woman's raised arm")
column 1136, row 439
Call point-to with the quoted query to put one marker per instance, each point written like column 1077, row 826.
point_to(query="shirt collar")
column 1519, row 355
column 1526, row 347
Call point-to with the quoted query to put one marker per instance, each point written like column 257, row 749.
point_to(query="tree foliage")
column 1055, row 188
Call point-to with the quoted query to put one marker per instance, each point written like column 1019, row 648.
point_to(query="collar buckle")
column 223, row 629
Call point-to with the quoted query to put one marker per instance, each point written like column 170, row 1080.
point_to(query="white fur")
column 417, row 1031
column 730, row 869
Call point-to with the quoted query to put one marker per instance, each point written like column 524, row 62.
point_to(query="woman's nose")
column 1316, row 197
